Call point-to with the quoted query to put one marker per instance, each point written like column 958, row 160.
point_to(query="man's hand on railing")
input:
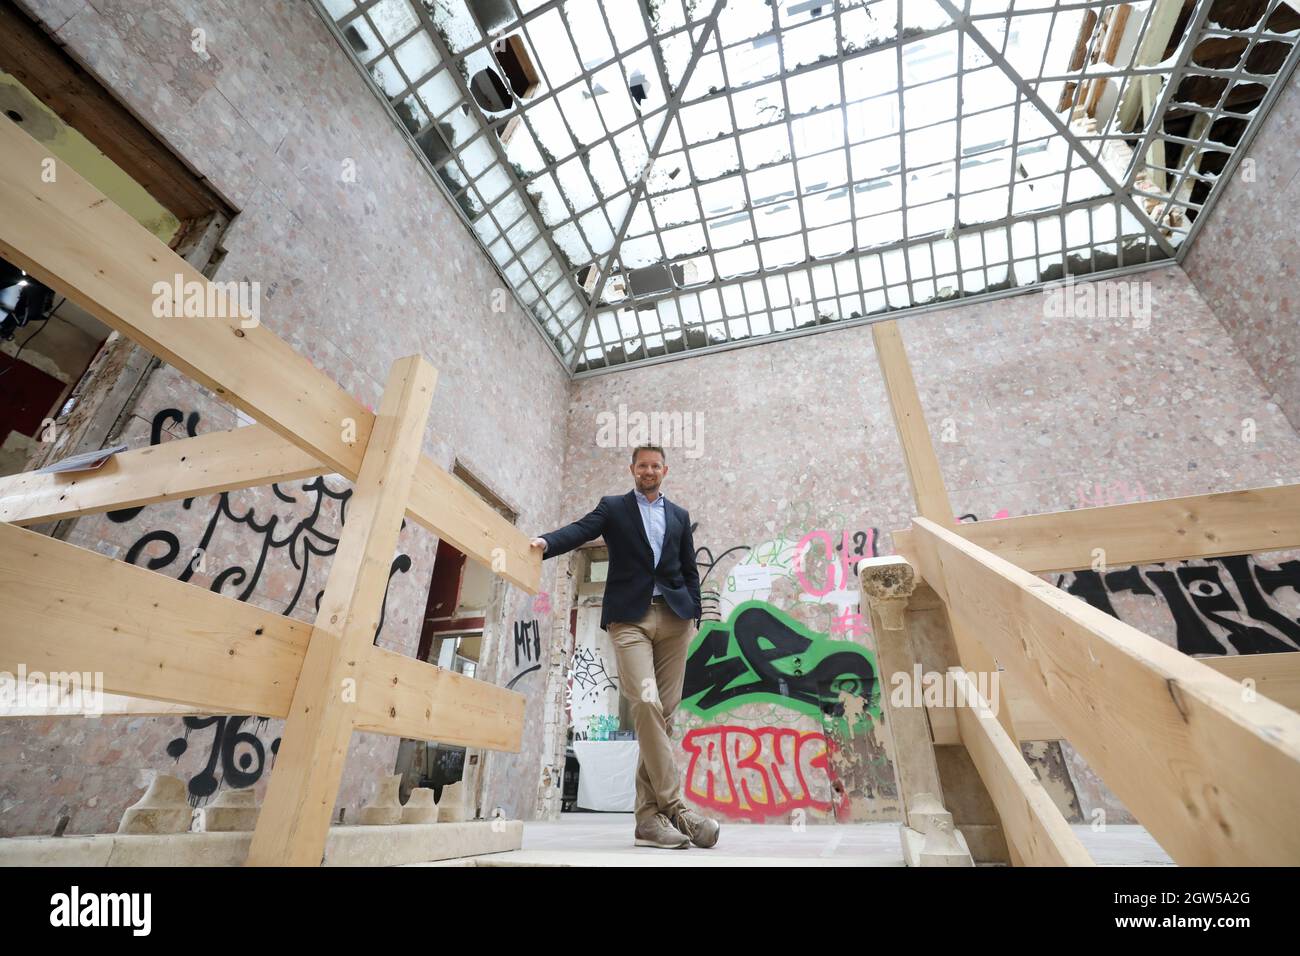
column 539, row 543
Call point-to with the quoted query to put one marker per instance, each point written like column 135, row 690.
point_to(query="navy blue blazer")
column 632, row 569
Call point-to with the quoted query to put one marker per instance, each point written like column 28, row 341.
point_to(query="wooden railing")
column 163, row 645
column 1206, row 754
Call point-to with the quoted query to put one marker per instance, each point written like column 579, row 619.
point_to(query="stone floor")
column 605, row 839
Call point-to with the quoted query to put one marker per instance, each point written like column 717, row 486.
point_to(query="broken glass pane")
column 394, row 19
column 454, row 24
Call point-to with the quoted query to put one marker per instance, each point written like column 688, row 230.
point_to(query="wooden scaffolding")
column 1204, row 753
column 155, row 639
column 1206, row 756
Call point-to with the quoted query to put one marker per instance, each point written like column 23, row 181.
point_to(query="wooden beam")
column 1029, row 817
column 403, row 697
column 1026, row 716
column 69, row 609
column 294, row 822
column 909, row 418
column 188, row 467
column 1142, row 90
column 68, row 235
column 469, row 523
column 1276, row 676
column 165, row 647
column 1214, row 777
column 1142, row 532
column 1116, row 22
column 1072, row 93
column 926, row 479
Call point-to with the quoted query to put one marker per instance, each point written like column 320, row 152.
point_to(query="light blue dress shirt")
column 655, row 519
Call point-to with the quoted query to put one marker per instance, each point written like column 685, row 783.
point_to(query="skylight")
column 657, row 177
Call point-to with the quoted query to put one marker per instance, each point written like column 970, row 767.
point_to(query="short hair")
column 641, row 448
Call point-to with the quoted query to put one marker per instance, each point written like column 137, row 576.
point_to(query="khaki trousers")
column 651, row 655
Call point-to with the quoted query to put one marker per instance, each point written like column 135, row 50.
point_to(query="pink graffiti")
column 542, row 603
column 839, row 573
column 754, row 773
column 850, row 625
column 1115, row 493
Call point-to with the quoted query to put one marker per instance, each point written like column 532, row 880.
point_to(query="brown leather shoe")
column 702, row 830
column 658, row 831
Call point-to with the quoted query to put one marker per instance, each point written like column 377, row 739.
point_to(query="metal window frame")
column 590, row 339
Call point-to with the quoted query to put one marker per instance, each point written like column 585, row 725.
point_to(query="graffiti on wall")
column 757, row 773
column 239, row 754
column 1219, row 605
column 591, row 696
column 762, row 655
column 804, row 575
column 588, row 676
column 1227, row 605
column 815, row 568
column 528, row 649
column 299, row 542
column 837, row 569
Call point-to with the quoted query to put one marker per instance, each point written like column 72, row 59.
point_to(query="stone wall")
column 1244, row 258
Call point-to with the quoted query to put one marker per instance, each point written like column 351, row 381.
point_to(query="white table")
column 607, row 774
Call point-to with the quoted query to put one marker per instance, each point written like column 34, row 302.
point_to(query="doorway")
column 67, row 381
column 460, row 619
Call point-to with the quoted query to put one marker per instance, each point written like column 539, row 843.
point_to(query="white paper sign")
column 753, row 577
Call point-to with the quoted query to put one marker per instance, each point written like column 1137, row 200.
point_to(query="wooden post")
column 927, row 485
column 294, row 822
column 923, row 472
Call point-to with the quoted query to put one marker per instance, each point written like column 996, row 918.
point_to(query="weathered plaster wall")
column 354, row 275
column 1244, row 258
column 793, row 441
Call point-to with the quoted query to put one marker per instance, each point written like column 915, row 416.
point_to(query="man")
column 652, row 595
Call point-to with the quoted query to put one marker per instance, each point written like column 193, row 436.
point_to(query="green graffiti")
column 763, row 655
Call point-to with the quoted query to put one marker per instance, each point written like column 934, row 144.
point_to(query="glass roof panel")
column 654, row 177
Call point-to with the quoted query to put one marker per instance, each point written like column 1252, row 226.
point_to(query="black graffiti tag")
column 1205, row 609
column 720, row 678
column 241, row 754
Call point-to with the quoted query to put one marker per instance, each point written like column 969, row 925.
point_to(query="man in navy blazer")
column 651, row 609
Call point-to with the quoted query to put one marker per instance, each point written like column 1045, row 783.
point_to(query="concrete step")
column 347, row 846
